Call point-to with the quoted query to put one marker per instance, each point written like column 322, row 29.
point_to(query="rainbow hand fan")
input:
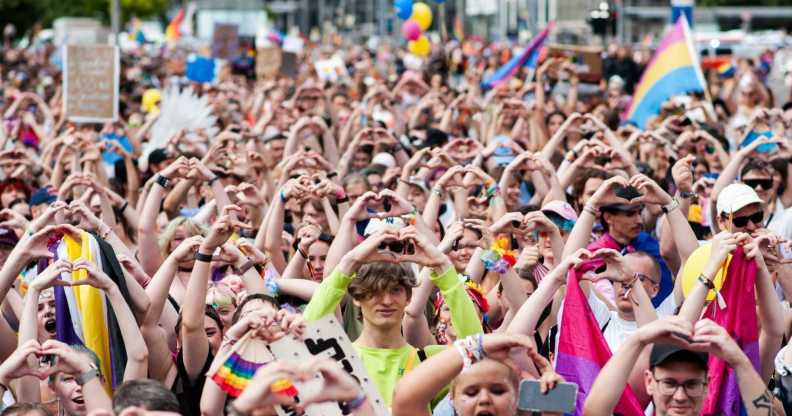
column 234, row 371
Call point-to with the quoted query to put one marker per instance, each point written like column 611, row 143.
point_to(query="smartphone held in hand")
column 561, row 398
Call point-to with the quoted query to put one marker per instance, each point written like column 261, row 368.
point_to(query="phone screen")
column 561, row 398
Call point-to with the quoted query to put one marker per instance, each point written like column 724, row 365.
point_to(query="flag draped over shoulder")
column 673, row 70
column 739, row 319
column 582, row 350
column 528, row 58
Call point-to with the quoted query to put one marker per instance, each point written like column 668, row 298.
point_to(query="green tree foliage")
column 24, row 13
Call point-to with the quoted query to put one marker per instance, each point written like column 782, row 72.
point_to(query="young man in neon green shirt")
column 380, row 284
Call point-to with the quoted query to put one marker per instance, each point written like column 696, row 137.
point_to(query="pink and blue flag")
column 739, row 319
column 673, row 70
column 582, row 350
column 528, row 58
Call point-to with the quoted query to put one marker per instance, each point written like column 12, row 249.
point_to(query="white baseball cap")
column 736, row 196
column 384, row 159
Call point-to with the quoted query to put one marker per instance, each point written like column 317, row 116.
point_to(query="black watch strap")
column 203, row 257
column 163, row 181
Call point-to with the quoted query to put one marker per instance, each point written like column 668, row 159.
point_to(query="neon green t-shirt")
column 387, row 366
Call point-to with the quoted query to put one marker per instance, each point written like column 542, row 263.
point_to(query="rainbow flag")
column 582, row 350
column 739, row 318
column 726, row 70
column 529, row 57
column 673, row 70
column 459, row 30
column 173, row 31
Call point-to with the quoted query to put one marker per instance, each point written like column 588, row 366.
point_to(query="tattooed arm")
column 754, row 393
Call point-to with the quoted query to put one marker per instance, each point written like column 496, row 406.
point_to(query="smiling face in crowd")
column 665, row 384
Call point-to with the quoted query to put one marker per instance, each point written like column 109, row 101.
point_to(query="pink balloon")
column 411, row 30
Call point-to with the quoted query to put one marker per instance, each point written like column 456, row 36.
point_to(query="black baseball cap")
column 662, row 353
column 157, row 156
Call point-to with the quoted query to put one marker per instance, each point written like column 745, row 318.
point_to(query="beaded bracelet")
column 467, row 359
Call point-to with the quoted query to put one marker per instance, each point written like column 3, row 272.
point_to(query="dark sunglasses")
column 765, row 184
column 743, row 221
column 397, row 247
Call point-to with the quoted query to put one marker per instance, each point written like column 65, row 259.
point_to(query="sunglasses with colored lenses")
column 765, row 184
column 743, row 221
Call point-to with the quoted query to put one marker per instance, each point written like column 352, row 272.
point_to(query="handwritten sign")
column 268, row 62
column 326, row 337
column 330, row 69
column 90, row 83
column 225, row 41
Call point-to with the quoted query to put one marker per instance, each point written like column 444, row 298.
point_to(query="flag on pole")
column 173, row 31
column 527, row 58
column 673, row 70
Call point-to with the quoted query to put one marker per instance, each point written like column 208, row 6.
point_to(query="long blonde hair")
column 191, row 227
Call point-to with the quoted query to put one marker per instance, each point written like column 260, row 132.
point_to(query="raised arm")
column 195, row 343
column 611, row 381
column 771, row 314
column 415, row 391
column 581, row 234
column 148, row 246
column 28, row 321
column 722, row 244
column 156, row 336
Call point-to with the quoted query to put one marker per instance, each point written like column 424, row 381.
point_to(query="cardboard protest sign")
column 587, row 59
column 90, row 83
column 289, row 65
column 225, row 41
column 330, row 69
column 327, row 338
column 268, row 62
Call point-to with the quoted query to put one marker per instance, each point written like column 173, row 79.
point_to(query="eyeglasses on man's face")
column 693, row 388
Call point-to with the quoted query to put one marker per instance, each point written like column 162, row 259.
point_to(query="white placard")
column 326, row 337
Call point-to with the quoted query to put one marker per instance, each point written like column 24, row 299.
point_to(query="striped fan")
column 234, row 372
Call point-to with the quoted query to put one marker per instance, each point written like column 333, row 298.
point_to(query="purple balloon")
column 411, row 30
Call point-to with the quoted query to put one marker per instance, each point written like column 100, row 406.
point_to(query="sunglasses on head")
column 756, row 218
column 765, row 184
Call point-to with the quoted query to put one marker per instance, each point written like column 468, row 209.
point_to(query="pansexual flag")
column 739, row 318
column 582, row 350
column 528, row 57
column 673, row 70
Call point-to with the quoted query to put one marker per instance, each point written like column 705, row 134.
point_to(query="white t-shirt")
column 780, row 220
column 617, row 329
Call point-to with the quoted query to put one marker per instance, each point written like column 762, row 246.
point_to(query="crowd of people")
column 450, row 229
